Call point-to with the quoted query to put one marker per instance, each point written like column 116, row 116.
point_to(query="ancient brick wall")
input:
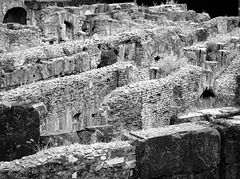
column 70, row 102
column 152, row 103
column 43, row 63
column 46, row 62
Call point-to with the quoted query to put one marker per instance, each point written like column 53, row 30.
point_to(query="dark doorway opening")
column 215, row 8
column 207, row 94
column 108, row 57
column 69, row 30
column 16, row 15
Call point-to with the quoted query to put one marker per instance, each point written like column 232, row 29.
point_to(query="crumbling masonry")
column 117, row 91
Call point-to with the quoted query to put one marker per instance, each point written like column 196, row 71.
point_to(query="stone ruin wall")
column 152, row 103
column 74, row 23
column 191, row 151
column 222, row 64
column 202, row 150
column 42, row 63
column 69, row 104
column 80, row 21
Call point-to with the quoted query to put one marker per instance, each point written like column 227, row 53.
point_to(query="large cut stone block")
column 19, row 131
column 208, row 174
column 177, row 149
column 230, row 134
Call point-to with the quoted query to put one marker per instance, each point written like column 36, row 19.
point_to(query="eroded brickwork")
column 72, row 101
column 152, row 103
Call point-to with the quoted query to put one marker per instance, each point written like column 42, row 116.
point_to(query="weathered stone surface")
column 232, row 171
column 58, row 140
column 18, row 39
column 177, row 149
column 230, row 134
column 43, row 63
column 65, row 111
column 19, row 131
column 190, row 117
column 95, row 161
column 151, row 103
column 90, row 135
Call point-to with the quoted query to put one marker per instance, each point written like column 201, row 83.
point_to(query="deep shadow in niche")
column 207, row 94
column 16, row 15
column 77, row 116
column 108, row 57
column 69, row 30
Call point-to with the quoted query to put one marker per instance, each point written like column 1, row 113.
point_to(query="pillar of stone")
column 206, row 80
column 222, row 26
column 220, row 45
column 129, row 73
column 200, row 56
column 153, row 73
column 223, row 63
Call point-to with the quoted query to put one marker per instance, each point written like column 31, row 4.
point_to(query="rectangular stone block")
column 19, row 131
column 177, row 149
column 230, row 134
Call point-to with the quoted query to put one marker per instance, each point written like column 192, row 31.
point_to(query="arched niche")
column 16, row 15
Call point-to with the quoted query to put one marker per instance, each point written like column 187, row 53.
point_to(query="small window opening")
column 76, row 116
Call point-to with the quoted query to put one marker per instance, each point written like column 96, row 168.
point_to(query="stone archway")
column 16, row 15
